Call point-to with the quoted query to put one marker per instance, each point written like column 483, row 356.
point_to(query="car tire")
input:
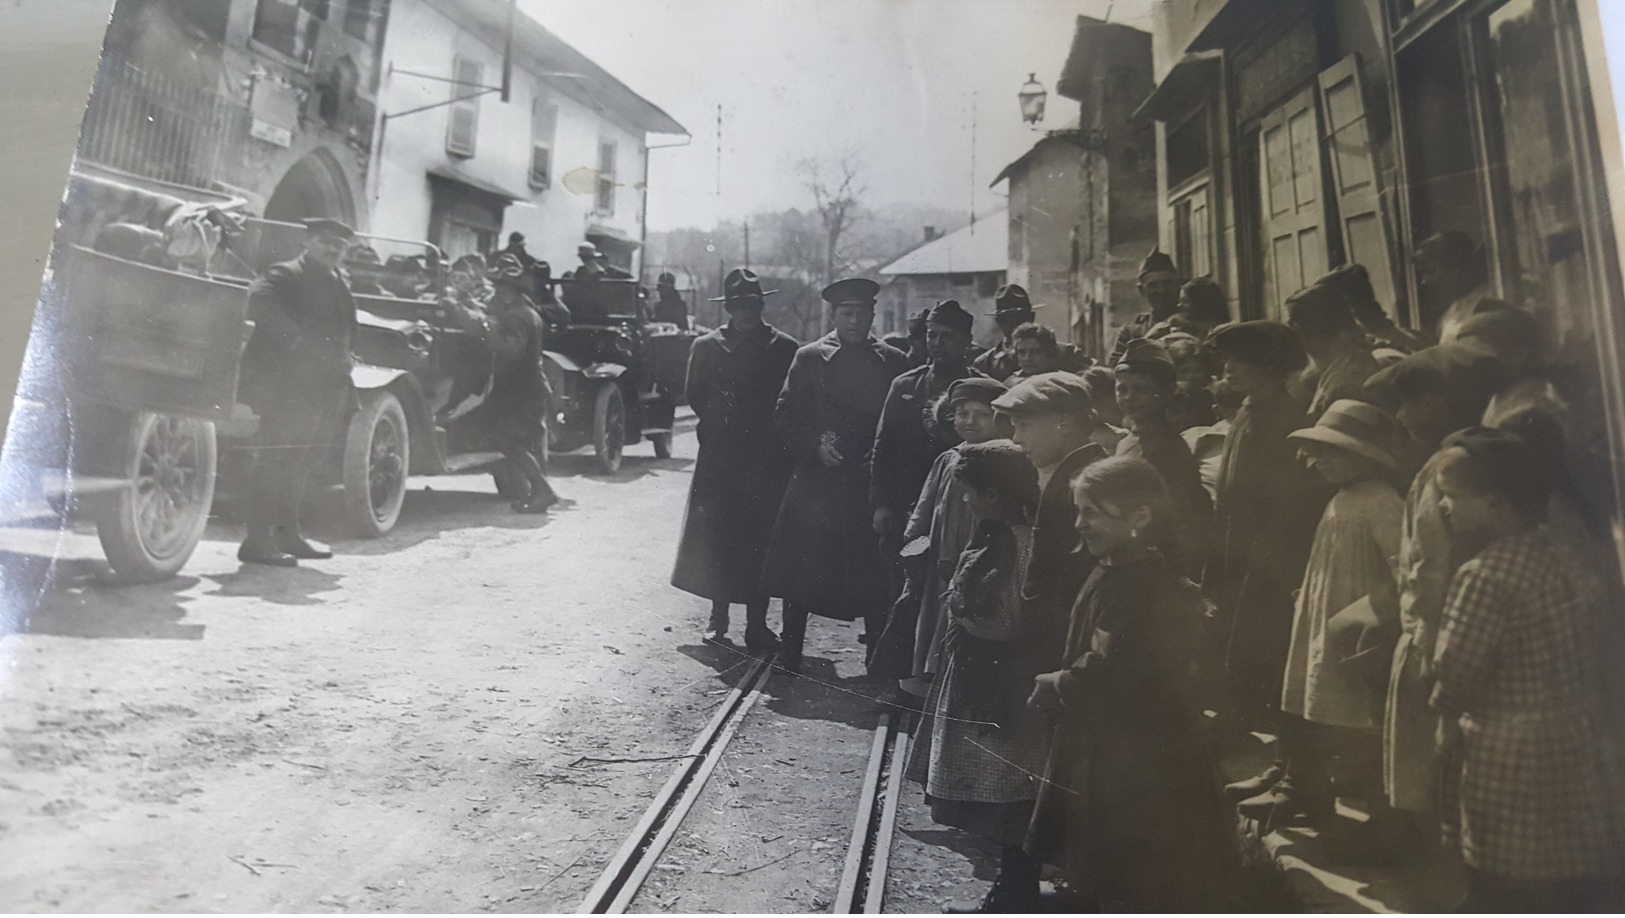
column 662, row 444
column 149, row 530
column 377, row 458
column 608, row 428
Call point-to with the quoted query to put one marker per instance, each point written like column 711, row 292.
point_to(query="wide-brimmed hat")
column 1359, row 427
column 851, row 291
column 741, row 284
column 950, row 314
column 1011, row 298
column 587, row 248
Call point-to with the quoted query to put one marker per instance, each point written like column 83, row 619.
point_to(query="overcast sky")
column 893, row 80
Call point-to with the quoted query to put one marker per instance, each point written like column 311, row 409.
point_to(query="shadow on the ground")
column 59, row 597
column 284, row 586
column 981, row 852
column 581, row 464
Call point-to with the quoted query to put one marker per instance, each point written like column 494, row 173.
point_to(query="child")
column 1327, row 703
column 1108, row 430
column 1192, row 401
column 1146, row 379
column 1516, row 679
column 1130, row 807
column 942, row 518
column 985, row 743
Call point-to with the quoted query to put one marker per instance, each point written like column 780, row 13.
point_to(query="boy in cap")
column 296, row 377
column 1267, row 506
column 1335, row 343
column 1159, row 285
column 734, row 377
column 823, row 556
column 1354, row 282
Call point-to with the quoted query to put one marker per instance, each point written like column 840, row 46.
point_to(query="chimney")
column 931, row 233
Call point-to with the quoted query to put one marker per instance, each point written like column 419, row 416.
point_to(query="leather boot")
column 793, row 638
column 716, row 630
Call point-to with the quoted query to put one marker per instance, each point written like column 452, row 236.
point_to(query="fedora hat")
column 741, row 284
column 1011, row 298
column 1359, row 427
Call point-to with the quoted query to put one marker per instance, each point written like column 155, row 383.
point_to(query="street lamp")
column 1032, row 98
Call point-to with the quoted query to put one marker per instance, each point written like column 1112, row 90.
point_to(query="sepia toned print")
column 1170, row 455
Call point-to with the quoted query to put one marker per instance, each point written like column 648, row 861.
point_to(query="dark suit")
column 296, row 377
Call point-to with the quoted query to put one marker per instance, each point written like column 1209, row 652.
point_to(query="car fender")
column 604, row 371
column 366, row 377
column 426, row 458
column 564, row 363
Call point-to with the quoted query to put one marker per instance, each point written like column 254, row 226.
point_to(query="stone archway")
column 314, row 187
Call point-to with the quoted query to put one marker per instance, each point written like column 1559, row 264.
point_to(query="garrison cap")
column 1262, row 342
column 1157, row 261
column 321, row 226
column 917, row 323
column 950, row 314
column 851, row 291
column 1047, row 393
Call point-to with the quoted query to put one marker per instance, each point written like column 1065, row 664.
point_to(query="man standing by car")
column 734, row 377
column 296, row 377
column 823, row 556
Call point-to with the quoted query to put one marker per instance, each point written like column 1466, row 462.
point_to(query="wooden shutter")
column 464, row 124
column 543, row 124
column 606, row 176
column 1354, row 176
column 1294, row 206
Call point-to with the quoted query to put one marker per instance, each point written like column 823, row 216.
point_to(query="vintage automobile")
column 616, row 377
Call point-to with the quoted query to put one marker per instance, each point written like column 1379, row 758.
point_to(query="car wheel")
column 608, row 427
column 377, row 454
column 149, row 529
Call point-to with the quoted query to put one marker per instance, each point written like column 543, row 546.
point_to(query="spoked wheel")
column 149, row 529
column 377, row 454
column 609, row 428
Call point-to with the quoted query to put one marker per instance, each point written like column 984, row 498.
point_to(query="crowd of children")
column 1329, row 530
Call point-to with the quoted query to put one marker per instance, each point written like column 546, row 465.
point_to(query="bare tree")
column 836, row 185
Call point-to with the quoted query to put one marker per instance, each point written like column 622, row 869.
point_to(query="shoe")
column 1284, row 802
column 270, row 555
column 763, row 642
column 536, row 504
column 1257, row 784
column 303, row 549
column 718, row 637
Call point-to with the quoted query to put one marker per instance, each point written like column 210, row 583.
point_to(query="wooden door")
column 1354, row 177
column 1294, row 203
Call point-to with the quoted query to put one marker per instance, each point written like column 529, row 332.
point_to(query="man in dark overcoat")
column 734, row 377
column 823, row 556
column 296, row 377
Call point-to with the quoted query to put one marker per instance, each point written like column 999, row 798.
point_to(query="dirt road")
column 428, row 722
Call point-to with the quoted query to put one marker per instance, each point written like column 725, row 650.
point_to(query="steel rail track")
column 863, row 881
column 631, row 865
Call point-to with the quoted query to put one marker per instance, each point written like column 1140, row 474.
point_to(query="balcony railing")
column 154, row 126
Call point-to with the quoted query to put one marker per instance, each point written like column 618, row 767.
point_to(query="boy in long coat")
column 734, row 377
column 823, row 556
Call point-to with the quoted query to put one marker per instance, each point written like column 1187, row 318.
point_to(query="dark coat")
column 905, row 447
column 1059, row 563
column 304, row 333
column 1144, row 824
column 1266, row 513
column 1159, row 443
column 824, row 554
column 999, row 361
column 734, row 380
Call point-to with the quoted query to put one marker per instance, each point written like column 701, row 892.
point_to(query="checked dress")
column 1516, row 661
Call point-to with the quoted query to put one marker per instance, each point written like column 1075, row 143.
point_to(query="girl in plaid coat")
column 1517, row 681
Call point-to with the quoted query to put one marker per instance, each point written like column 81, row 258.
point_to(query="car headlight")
column 420, row 339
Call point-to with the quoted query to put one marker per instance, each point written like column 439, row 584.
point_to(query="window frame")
column 539, row 105
column 604, row 195
column 463, row 87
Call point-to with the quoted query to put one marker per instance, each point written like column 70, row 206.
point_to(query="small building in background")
column 968, row 265
column 1083, row 199
column 563, row 160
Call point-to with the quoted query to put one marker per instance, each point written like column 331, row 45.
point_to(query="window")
column 1193, row 232
column 290, row 26
column 358, row 16
column 1187, row 147
column 463, row 125
column 544, row 120
column 606, row 177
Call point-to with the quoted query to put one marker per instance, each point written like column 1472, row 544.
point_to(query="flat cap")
column 950, row 314
column 1150, row 357
column 851, row 291
column 1321, row 308
column 1442, row 367
column 1047, row 393
column 1261, row 342
column 322, row 226
column 975, row 389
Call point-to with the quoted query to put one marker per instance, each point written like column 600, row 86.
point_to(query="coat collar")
column 730, row 339
column 830, row 344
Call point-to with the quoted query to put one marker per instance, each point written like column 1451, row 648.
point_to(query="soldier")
column 1159, row 286
column 519, row 397
column 823, row 556
column 296, row 377
column 734, row 377
column 1011, row 310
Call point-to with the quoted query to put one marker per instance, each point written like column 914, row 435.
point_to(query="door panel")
column 1289, row 149
column 1359, row 202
